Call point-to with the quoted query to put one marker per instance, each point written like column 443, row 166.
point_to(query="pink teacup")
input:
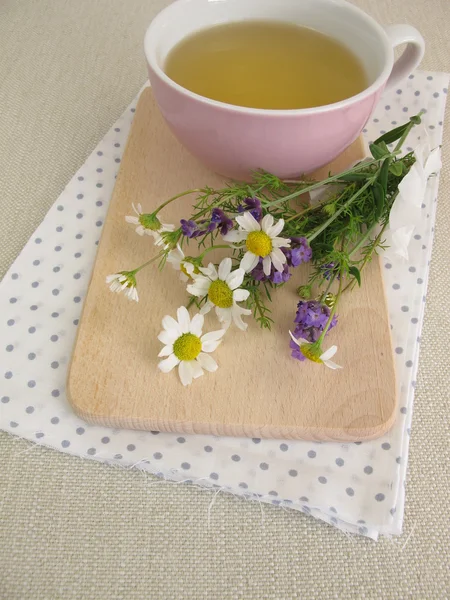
column 234, row 140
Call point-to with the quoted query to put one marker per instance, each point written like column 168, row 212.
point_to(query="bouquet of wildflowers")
column 267, row 229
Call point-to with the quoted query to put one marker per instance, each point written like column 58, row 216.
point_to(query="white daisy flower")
column 123, row 281
column 149, row 224
column 223, row 292
column 261, row 241
column 186, row 347
column 176, row 259
column 308, row 350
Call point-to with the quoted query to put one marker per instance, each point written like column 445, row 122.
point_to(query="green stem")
column 332, row 312
column 186, row 193
column 340, row 210
column 362, row 240
column 147, row 263
column 210, row 248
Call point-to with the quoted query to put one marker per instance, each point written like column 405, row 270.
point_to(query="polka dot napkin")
column 356, row 487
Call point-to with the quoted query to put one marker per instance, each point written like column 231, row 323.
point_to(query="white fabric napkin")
column 356, row 487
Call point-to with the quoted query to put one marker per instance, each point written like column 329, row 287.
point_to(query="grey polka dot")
column 393, row 511
column 77, row 276
column 411, row 77
column 80, row 178
column 185, row 466
column 208, row 449
column 236, row 458
column 99, row 185
column 55, row 292
column 312, row 454
column 54, row 338
column 405, row 109
column 157, row 455
column 333, row 510
column 117, row 145
column 412, row 269
column 116, row 128
column 55, row 315
column 54, row 420
column 284, row 447
column 92, row 451
column 117, row 160
column 414, row 320
column 54, row 364
column 131, row 447
column 35, row 284
column 376, row 120
column 34, row 307
column 76, row 321
column 304, row 499
column 387, row 107
column 8, row 375
column 350, row 491
column 293, row 473
column 31, row 329
column 214, row 476
column 388, row 266
column 14, row 424
column 77, row 254
column 56, row 269
column 405, row 308
column 363, row 530
column 256, row 440
column 181, row 440
column 80, row 196
column 39, row 435
column 31, row 356
column 60, row 208
column 9, row 348
column 55, row 393
column 99, row 203
column 436, row 95
column 417, row 237
column 133, row 110
column 379, row 497
column 399, row 350
column 396, row 286
column 243, row 485
column 77, row 299
column 417, row 93
column 154, row 432
column 79, row 215
column 37, row 241
column 399, row 91
column 409, row 363
column 322, row 479
column 385, row 445
column 403, row 410
column 12, row 300
column 340, row 462
column 10, row 322
column 57, row 248
column 105, row 440
column 99, row 153
column 80, row 430
column 29, row 410
column 398, row 460
column 368, row 470
column 273, row 493
column 264, row 466
column 79, row 236
column 5, row 399
column 99, row 170
column 65, row 443
column 118, row 456
column 31, row 383
column 357, row 443
column 333, row 520
column 36, row 262
column 445, row 90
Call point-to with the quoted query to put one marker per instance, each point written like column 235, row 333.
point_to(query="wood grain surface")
column 259, row 390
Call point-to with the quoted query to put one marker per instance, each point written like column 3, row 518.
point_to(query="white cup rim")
column 150, row 54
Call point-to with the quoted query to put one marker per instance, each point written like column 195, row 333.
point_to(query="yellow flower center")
column 259, row 243
column 310, row 353
column 220, row 294
column 187, row 347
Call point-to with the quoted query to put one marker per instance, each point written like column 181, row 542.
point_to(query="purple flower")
column 190, row 229
column 253, row 205
column 275, row 276
column 310, row 320
column 299, row 252
column 220, row 220
column 330, row 269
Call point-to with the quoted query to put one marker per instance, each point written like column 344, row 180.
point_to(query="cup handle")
column 411, row 57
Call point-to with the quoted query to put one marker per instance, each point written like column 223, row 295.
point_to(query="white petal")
column 175, row 257
column 113, row 277
column 235, row 278
column 168, row 364
column 224, row 316
column 206, row 308
column 276, row 229
column 210, row 346
column 248, row 222
column 184, row 319
column 140, row 230
column 237, row 313
column 197, row 325
column 197, row 370
column 267, row 223
column 434, row 163
column 167, row 350
column 213, row 336
column 225, row 268
column 299, row 341
column 168, row 337
column 207, row 362
column 209, row 271
column 132, row 220
column 188, row 267
column 183, row 277
column 331, row 365
column 169, row 324
column 240, row 295
column 167, row 227
column 328, row 353
column 235, row 236
column 185, row 372
column 278, row 242
column 137, row 209
column 267, row 265
column 249, row 262
column 200, row 287
column 278, row 259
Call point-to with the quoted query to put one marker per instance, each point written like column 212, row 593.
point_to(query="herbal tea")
column 264, row 64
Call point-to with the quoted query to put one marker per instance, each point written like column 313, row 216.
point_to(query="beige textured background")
column 73, row 529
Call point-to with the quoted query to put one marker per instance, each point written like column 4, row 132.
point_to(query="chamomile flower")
column 176, row 258
column 124, row 281
column 149, row 224
column 186, row 347
column 313, row 352
column 261, row 241
column 223, row 292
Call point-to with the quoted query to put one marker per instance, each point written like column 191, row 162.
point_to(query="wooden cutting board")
column 259, row 390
